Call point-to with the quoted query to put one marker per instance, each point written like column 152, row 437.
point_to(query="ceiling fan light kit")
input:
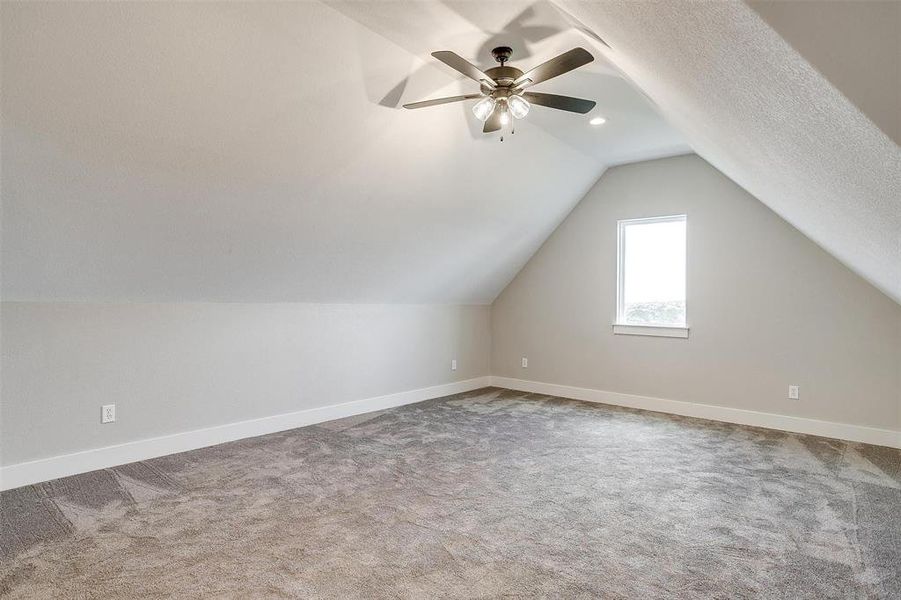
column 483, row 108
column 519, row 106
column 502, row 89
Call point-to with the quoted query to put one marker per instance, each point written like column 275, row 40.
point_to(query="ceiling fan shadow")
column 519, row 34
column 534, row 24
column 394, row 95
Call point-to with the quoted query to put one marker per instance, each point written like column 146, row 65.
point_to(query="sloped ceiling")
column 257, row 152
column 855, row 45
column 753, row 107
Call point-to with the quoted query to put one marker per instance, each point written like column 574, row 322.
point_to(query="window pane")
column 653, row 272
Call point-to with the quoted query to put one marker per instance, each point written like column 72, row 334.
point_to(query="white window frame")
column 620, row 327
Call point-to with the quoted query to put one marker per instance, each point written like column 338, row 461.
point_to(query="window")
column 651, row 277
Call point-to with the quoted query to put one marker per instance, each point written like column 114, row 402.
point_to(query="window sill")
column 651, row 330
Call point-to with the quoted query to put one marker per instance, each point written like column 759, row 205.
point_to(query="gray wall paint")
column 177, row 367
column 766, row 306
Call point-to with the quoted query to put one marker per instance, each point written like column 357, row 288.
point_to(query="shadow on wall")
column 536, row 23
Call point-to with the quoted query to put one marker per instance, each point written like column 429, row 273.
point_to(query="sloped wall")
column 766, row 306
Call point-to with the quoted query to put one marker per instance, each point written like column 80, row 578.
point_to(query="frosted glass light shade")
column 519, row 106
column 482, row 109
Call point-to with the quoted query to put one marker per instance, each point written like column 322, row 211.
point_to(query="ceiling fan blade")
column 558, row 65
column 493, row 123
column 576, row 105
column 437, row 101
column 458, row 63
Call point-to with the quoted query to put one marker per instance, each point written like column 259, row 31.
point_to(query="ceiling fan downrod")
column 502, row 54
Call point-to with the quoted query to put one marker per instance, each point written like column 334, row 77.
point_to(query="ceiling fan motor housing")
column 504, row 77
column 502, row 54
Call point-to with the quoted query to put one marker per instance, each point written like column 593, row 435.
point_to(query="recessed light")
column 598, row 121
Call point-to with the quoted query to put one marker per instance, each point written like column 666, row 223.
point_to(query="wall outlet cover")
column 793, row 392
column 525, row 362
column 454, row 365
column 108, row 413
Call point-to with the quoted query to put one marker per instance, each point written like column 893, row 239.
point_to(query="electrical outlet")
column 793, row 392
column 454, row 365
column 525, row 362
column 108, row 413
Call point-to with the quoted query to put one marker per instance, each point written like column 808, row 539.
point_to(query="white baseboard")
column 35, row 471
column 853, row 433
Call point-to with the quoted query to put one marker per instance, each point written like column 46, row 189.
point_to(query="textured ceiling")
column 855, row 45
column 256, row 151
column 754, row 108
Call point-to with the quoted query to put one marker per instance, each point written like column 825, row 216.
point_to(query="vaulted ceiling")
column 258, row 152
column 753, row 107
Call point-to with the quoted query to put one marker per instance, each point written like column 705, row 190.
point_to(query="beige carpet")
column 488, row 494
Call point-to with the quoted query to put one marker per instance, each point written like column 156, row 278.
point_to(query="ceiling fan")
column 503, row 88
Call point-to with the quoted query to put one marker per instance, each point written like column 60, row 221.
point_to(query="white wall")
column 177, row 367
column 767, row 308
